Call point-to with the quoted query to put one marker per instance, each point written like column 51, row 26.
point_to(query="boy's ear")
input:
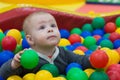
column 29, row 39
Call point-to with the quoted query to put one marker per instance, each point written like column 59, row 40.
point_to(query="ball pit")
column 108, row 44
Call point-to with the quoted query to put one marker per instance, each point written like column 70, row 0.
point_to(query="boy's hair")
column 26, row 22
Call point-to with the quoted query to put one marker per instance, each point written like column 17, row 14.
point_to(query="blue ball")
column 64, row 33
column 25, row 44
column 116, row 43
column 88, row 52
column 70, row 47
column 98, row 32
column 1, row 78
column 5, row 56
column 85, row 34
column 77, row 44
column 71, row 65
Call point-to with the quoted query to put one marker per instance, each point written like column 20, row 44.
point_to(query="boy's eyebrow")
column 46, row 21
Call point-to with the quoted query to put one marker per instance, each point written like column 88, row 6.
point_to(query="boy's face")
column 44, row 31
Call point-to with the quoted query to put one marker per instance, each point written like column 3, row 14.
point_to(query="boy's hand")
column 16, row 60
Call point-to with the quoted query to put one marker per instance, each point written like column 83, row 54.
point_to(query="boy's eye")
column 53, row 25
column 42, row 27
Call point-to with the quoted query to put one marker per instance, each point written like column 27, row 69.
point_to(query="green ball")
column 18, row 48
column 98, row 22
column 117, row 22
column 106, row 43
column 99, row 75
column 87, row 27
column 76, row 74
column 88, row 41
column 23, row 34
column 29, row 59
column 51, row 68
column 76, row 31
column 106, row 35
column 1, row 48
column 93, row 47
column 2, row 35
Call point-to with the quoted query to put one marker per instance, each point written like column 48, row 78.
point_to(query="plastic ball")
column 117, row 30
column 114, row 67
column 85, row 34
column 1, row 37
column 64, row 42
column 14, row 77
column 22, row 34
column 99, row 59
column 61, row 78
column 73, row 38
column 29, row 76
column 116, row 43
column 70, row 47
column 64, row 33
column 89, row 71
column 114, row 36
column 110, row 27
column 88, row 41
column 98, row 22
column 97, row 37
column 18, row 48
column 29, row 59
column 79, row 52
column 76, row 31
column 106, row 43
column 98, row 32
column 87, row 27
column 117, row 21
column 98, row 75
column 51, row 68
column 106, row 35
column 88, row 52
column 114, row 57
column 1, row 78
column 77, row 44
column 93, row 47
column 43, row 75
column 83, row 48
column 5, row 56
column 25, row 44
column 9, row 43
column 76, row 74
column 73, row 65
column 15, row 33
column 100, row 40
column 1, row 31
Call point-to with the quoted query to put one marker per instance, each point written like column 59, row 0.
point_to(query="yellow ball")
column 82, row 39
column 1, row 30
column 117, row 30
column 114, row 57
column 80, row 52
column 89, row 71
column 43, row 75
column 29, row 76
column 58, row 78
column 14, row 77
column 64, row 42
column 15, row 33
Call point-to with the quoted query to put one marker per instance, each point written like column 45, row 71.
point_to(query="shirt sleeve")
column 6, row 70
column 83, row 60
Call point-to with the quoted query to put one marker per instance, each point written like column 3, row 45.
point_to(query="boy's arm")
column 6, row 70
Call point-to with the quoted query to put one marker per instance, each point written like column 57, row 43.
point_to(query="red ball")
column 114, row 36
column 99, row 59
column 9, row 43
column 110, row 27
column 97, row 37
column 83, row 48
column 73, row 38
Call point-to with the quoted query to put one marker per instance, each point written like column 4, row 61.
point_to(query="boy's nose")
column 50, row 30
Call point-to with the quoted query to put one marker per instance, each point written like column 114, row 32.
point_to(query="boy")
column 43, row 36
